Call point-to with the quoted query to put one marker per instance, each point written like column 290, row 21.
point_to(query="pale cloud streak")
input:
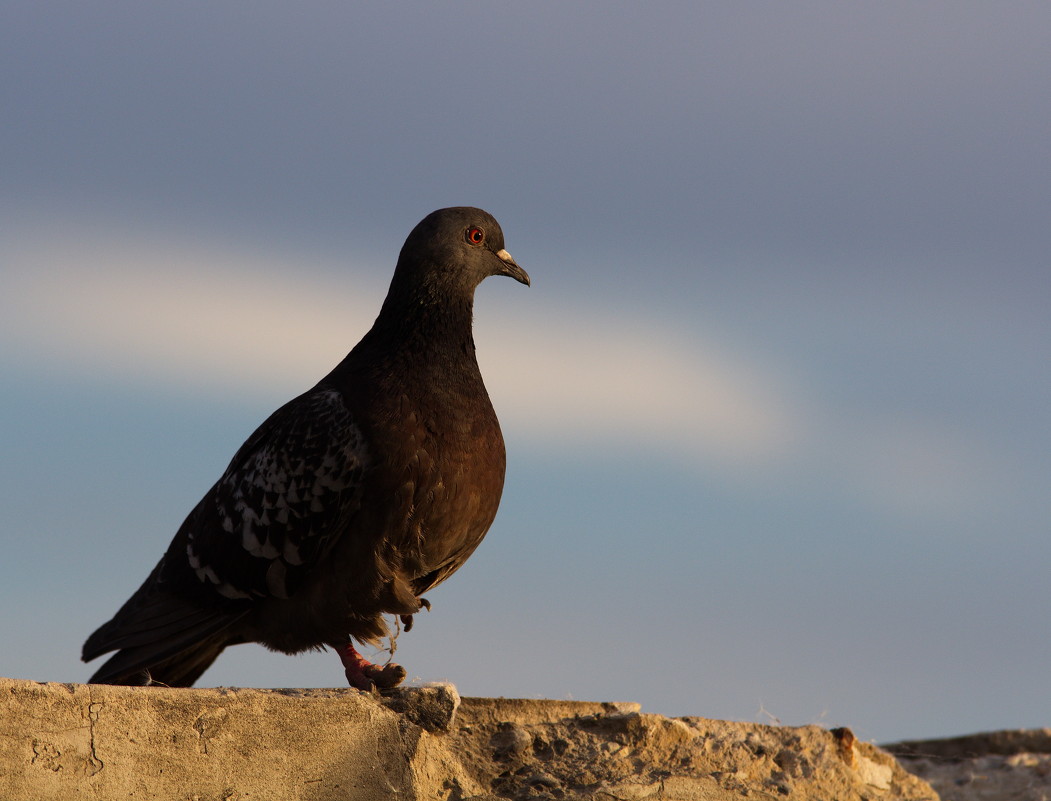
column 218, row 321
column 221, row 321
column 197, row 317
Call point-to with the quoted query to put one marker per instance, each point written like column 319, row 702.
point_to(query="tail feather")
column 167, row 620
column 144, row 664
column 160, row 638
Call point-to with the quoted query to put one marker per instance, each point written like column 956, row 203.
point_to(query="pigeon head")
column 450, row 252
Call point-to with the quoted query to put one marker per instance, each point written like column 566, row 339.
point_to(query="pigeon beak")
column 511, row 268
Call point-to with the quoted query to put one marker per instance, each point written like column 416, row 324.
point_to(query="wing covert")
column 288, row 493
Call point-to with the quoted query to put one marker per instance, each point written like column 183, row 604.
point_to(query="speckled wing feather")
column 286, row 496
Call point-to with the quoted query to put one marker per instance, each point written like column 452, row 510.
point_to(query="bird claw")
column 385, row 677
column 365, row 676
column 406, row 620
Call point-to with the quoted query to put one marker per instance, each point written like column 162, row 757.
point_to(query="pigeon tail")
column 141, row 665
column 159, row 639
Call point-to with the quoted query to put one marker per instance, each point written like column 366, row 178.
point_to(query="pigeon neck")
column 424, row 325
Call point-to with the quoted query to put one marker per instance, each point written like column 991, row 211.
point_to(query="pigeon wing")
column 288, row 494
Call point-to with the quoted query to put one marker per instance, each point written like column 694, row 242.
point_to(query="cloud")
column 631, row 381
column 199, row 316
column 216, row 321
column 220, row 320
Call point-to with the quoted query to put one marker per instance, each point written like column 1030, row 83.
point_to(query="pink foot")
column 366, row 676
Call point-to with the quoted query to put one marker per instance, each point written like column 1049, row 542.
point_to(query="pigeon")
column 350, row 501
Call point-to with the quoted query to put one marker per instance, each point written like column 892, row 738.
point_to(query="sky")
column 776, row 404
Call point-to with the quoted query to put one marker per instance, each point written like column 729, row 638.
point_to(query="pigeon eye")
column 475, row 236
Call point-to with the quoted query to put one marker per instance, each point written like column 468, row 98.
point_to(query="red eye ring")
column 475, row 235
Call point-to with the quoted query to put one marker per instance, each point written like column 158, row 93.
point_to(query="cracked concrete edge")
column 63, row 741
column 71, row 741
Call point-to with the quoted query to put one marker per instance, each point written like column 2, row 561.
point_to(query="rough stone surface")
column 992, row 766
column 549, row 749
column 70, row 741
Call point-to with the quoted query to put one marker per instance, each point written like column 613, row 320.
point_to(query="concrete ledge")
column 980, row 767
column 69, row 741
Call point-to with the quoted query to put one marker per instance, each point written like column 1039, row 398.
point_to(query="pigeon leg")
column 364, row 675
column 406, row 620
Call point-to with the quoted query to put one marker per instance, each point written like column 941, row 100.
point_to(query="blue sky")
column 776, row 404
